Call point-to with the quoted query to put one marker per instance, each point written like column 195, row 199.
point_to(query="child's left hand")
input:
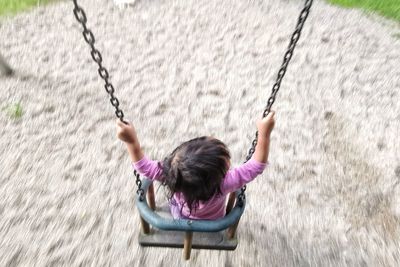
column 126, row 132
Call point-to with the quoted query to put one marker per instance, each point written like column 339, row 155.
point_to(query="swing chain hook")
column 281, row 73
column 89, row 38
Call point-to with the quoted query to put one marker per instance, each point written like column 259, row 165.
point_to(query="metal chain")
column 139, row 191
column 88, row 35
column 281, row 73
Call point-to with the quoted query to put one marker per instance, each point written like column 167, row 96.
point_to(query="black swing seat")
column 169, row 232
column 175, row 239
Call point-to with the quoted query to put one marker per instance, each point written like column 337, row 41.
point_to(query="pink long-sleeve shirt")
column 206, row 210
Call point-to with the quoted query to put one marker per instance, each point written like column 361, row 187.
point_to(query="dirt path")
column 331, row 196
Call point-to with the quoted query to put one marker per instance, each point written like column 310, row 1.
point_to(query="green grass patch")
column 386, row 8
column 10, row 7
column 14, row 110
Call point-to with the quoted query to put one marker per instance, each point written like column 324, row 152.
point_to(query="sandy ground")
column 331, row 196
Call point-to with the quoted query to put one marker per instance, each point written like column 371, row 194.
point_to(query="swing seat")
column 203, row 234
column 175, row 239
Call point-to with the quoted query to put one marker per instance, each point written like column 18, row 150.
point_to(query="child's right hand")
column 266, row 125
column 126, row 132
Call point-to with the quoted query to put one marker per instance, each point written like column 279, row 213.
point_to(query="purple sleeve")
column 239, row 176
column 149, row 168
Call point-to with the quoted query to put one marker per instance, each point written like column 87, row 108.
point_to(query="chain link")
column 139, row 191
column 88, row 35
column 281, row 73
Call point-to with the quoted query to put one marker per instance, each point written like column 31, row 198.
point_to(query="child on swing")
column 197, row 173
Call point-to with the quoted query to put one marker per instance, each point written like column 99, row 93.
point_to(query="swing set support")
column 4, row 67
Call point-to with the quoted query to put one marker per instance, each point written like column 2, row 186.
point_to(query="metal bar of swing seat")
column 187, row 246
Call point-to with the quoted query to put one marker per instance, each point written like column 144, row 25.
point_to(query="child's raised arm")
column 265, row 127
column 127, row 133
column 239, row 176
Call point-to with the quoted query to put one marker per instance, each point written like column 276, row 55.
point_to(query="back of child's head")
column 196, row 169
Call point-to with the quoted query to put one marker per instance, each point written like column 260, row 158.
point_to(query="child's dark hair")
column 196, row 168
